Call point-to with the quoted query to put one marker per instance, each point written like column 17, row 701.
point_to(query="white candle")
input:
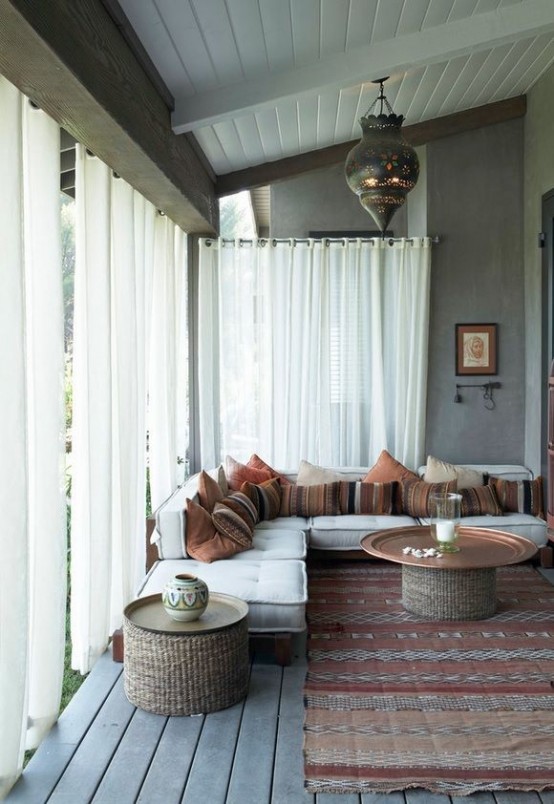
column 445, row 530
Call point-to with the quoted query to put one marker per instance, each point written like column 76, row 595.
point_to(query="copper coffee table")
column 456, row 586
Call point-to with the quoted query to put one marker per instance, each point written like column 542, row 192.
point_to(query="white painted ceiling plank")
column 542, row 62
column 220, row 40
column 246, row 24
column 522, row 57
column 268, row 126
column 212, row 149
column 462, row 9
column 478, row 89
column 287, row 120
column 227, row 135
column 467, row 74
column 307, row 123
column 334, row 25
column 366, row 96
column 182, row 26
column 486, row 5
column 429, row 81
column 154, row 36
column 247, row 129
column 346, row 105
column 412, row 16
column 360, row 22
column 327, row 110
column 430, row 46
column 305, row 31
column 406, row 91
column 276, row 21
column 386, row 20
column 440, row 94
column 437, row 13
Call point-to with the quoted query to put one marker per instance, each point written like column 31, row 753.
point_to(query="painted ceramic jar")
column 185, row 597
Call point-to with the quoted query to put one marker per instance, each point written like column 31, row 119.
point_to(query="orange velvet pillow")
column 239, row 473
column 387, row 469
column 209, row 491
column 203, row 541
column 255, row 462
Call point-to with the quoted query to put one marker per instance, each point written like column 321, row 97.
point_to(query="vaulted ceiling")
column 256, row 81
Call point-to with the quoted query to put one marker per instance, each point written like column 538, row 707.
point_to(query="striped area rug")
column 392, row 702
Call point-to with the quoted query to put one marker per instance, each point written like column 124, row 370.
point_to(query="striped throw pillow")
column 322, row 500
column 519, row 496
column 367, row 498
column 416, row 494
column 235, row 517
column 265, row 496
column 480, row 501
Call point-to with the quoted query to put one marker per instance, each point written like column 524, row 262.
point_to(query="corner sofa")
column 271, row 575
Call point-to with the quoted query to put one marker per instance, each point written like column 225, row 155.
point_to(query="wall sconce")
column 487, row 389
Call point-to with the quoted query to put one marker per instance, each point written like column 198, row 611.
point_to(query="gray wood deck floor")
column 106, row 751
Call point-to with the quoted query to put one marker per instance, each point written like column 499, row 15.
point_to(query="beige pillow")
column 438, row 471
column 309, row 474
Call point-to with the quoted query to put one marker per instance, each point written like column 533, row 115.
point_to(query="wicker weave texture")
column 445, row 594
column 186, row 674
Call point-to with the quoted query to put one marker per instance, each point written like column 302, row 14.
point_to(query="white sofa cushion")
column 507, row 471
column 276, row 591
column 344, row 532
column 275, row 544
column 286, row 523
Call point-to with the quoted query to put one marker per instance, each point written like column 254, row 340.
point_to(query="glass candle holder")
column 445, row 511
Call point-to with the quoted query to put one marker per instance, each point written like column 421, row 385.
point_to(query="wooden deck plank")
column 252, row 771
column 211, row 768
column 55, row 752
column 123, row 778
column 516, row 797
column 92, row 757
column 288, row 775
column 420, row 796
column 166, row 776
column 482, row 797
column 380, row 798
column 337, row 798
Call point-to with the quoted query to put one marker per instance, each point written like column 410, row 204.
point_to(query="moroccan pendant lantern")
column 382, row 168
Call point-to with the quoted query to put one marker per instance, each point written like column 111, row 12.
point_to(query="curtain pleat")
column 114, row 259
column 313, row 350
column 167, row 403
column 33, row 542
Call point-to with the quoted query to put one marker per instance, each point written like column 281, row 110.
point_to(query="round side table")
column 186, row 668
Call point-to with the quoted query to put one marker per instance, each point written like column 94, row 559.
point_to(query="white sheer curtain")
column 317, row 350
column 32, row 492
column 113, row 280
column 167, row 396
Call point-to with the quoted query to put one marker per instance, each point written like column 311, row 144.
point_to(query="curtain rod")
column 262, row 241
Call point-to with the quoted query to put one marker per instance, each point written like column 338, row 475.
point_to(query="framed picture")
column 476, row 348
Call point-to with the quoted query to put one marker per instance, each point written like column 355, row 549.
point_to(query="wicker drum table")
column 186, row 668
column 455, row 586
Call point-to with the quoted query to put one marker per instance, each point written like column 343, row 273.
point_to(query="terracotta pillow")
column 266, row 497
column 415, row 495
column 203, row 541
column 322, row 500
column 437, row 471
column 255, row 462
column 387, row 469
column 209, row 491
column 519, row 496
column 239, row 473
column 480, row 501
column 368, row 498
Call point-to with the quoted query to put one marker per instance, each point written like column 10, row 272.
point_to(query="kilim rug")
column 392, row 702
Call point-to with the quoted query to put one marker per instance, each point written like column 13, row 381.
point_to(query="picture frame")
column 476, row 349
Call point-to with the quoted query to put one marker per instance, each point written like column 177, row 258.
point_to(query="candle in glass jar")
column 445, row 531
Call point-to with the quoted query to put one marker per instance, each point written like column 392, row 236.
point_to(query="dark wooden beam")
column 72, row 60
column 418, row 134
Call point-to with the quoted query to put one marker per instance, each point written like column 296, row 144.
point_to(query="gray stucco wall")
column 475, row 193
column 321, row 201
column 538, row 180
column 474, row 204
